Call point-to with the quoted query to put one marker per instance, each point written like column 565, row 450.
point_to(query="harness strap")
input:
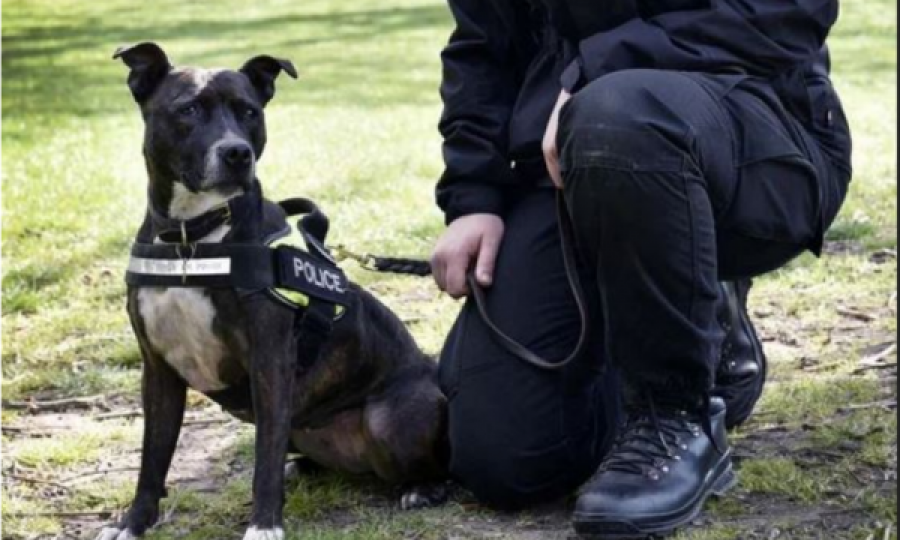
column 311, row 331
column 313, row 226
column 241, row 266
column 314, row 327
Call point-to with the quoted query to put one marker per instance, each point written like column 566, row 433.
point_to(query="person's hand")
column 469, row 239
column 551, row 153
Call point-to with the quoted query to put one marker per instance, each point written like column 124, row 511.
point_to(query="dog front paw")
column 114, row 533
column 254, row 533
column 424, row 496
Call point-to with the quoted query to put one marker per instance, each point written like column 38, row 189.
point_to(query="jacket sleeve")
column 479, row 88
column 758, row 37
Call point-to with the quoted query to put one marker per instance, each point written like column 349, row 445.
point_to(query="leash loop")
column 569, row 261
column 423, row 268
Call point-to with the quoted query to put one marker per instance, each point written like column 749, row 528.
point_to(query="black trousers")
column 673, row 181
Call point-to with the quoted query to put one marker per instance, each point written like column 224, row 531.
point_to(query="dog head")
column 204, row 128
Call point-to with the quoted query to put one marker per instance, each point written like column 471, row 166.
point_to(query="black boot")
column 662, row 469
column 742, row 367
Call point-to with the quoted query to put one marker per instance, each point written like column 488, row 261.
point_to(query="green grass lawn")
column 357, row 133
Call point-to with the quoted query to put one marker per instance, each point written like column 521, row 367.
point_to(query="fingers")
column 449, row 271
column 487, row 258
column 472, row 238
column 551, row 156
column 439, row 270
column 552, row 160
column 455, row 281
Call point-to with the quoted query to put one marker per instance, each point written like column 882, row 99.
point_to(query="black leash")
column 423, row 268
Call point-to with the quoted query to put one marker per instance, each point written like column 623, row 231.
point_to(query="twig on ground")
column 207, row 421
column 133, row 413
column 55, row 405
column 102, row 514
column 854, row 314
column 883, row 404
column 875, row 359
column 46, row 431
column 88, row 474
column 874, row 367
column 31, row 480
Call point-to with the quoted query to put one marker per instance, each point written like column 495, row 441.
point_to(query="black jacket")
column 508, row 59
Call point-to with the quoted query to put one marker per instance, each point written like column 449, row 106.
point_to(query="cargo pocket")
column 831, row 133
column 777, row 195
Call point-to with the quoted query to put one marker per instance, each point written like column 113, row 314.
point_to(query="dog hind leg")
column 408, row 424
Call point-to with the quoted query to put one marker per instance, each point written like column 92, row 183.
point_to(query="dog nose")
column 236, row 155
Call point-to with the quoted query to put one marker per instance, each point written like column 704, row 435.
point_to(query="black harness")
column 180, row 260
column 253, row 266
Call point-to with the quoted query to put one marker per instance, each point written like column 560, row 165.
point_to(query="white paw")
column 412, row 500
column 291, row 471
column 112, row 533
column 264, row 534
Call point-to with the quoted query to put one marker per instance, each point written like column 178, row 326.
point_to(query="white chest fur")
column 179, row 321
column 179, row 326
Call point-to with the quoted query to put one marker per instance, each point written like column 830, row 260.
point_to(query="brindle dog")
column 368, row 404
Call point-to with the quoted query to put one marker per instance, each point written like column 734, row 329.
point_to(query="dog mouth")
column 221, row 182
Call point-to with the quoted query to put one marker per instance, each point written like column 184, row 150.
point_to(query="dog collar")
column 188, row 231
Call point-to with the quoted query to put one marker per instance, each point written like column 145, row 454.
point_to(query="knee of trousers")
column 633, row 119
column 509, row 476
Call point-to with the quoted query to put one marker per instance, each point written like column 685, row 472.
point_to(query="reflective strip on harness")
column 194, row 267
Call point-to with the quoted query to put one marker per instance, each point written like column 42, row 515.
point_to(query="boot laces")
column 649, row 442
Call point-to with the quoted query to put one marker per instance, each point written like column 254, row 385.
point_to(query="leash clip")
column 341, row 254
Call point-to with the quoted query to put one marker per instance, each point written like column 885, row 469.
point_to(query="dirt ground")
column 215, row 451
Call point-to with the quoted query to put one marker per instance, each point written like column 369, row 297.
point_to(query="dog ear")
column 262, row 72
column 149, row 66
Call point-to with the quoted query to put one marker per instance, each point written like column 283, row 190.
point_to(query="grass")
column 357, row 133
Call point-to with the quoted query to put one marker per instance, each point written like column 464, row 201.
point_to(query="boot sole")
column 604, row 527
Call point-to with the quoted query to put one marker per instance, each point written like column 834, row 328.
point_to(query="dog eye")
column 251, row 113
column 189, row 110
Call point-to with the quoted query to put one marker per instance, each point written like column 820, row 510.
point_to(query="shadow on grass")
column 54, row 66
